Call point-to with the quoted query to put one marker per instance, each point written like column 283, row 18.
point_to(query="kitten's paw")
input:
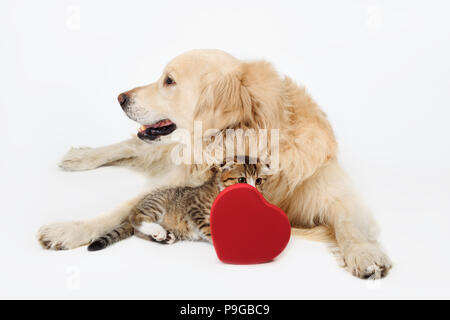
column 64, row 235
column 367, row 261
column 79, row 159
column 155, row 230
column 171, row 238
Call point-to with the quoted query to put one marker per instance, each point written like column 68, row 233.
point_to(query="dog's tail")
column 320, row 234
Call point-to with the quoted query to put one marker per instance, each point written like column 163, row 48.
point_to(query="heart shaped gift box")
column 245, row 228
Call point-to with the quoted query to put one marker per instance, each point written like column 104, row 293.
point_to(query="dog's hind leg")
column 356, row 235
column 328, row 198
column 84, row 158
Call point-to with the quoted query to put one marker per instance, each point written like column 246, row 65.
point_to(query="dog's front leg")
column 70, row 235
column 132, row 152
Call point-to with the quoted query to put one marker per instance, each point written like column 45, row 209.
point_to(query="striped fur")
column 182, row 212
column 125, row 230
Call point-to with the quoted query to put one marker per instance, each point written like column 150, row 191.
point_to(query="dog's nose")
column 123, row 100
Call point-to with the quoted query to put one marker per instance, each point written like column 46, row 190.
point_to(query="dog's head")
column 209, row 86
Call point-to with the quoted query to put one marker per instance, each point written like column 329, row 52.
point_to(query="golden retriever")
column 223, row 92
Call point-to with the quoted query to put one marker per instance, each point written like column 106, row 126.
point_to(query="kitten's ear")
column 215, row 168
column 227, row 165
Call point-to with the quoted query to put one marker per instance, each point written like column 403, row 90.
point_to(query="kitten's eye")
column 242, row 180
column 169, row 81
column 258, row 181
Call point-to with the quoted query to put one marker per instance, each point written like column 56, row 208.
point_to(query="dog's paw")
column 367, row 261
column 63, row 236
column 79, row 159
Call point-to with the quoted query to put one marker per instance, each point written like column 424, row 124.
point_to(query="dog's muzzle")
column 156, row 130
column 147, row 132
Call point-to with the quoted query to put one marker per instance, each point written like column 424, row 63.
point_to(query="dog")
column 222, row 92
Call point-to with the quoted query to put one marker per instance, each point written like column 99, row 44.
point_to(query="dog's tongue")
column 159, row 124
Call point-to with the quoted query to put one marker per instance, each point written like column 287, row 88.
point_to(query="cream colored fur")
column 224, row 92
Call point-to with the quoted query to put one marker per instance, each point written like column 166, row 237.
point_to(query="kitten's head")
column 244, row 170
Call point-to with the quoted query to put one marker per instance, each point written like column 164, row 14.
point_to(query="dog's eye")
column 242, row 180
column 169, row 81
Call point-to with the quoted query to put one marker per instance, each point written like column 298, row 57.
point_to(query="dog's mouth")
column 156, row 130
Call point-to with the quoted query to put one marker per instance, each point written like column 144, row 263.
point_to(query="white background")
column 380, row 69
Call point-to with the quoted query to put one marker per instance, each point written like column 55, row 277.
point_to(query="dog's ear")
column 266, row 89
column 249, row 96
column 223, row 102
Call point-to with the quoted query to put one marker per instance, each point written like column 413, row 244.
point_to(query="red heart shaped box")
column 245, row 228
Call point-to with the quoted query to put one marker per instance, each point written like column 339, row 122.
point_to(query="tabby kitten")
column 182, row 213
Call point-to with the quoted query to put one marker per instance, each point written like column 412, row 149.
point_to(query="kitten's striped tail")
column 123, row 231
